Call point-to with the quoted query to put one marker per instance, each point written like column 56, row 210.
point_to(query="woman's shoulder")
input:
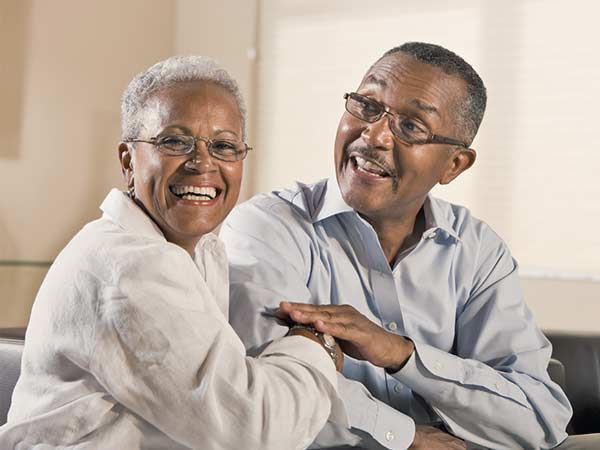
column 103, row 248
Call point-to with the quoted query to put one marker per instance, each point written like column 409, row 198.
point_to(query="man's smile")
column 369, row 166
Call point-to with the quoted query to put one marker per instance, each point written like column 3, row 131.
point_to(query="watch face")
column 328, row 340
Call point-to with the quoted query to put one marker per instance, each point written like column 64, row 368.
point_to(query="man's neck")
column 398, row 233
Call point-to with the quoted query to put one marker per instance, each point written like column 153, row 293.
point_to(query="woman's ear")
column 126, row 163
column 460, row 160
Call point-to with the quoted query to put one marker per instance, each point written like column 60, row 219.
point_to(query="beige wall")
column 561, row 305
column 70, row 61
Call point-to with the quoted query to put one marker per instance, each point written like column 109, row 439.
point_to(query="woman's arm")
column 164, row 350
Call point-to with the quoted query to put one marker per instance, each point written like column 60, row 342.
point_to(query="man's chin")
column 363, row 202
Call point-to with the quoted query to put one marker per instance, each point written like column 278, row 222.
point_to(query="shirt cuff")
column 313, row 356
column 389, row 427
column 428, row 367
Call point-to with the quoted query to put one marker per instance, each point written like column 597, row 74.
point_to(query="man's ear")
column 126, row 163
column 460, row 160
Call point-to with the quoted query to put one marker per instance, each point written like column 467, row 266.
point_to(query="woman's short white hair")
column 166, row 73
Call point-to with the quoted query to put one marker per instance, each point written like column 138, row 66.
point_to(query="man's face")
column 197, row 109
column 365, row 151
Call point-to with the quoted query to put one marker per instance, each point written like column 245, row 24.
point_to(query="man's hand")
column 357, row 335
column 430, row 438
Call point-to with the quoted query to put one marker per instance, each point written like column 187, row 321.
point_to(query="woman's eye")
column 224, row 146
column 172, row 141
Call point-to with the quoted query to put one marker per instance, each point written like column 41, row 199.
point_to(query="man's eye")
column 369, row 108
column 413, row 128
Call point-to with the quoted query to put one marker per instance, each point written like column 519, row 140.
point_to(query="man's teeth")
column 194, row 192
column 369, row 166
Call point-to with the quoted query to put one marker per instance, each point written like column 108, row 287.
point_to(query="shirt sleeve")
column 270, row 262
column 493, row 389
column 163, row 350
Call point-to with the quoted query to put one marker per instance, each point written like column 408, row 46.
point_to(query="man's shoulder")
column 467, row 227
column 298, row 204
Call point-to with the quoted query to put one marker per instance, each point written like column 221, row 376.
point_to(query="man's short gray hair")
column 169, row 72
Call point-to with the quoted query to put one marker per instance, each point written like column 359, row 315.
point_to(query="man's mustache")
column 373, row 155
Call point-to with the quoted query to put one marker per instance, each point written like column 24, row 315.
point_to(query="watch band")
column 327, row 340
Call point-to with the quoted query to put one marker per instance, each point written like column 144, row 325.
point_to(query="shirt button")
column 431, row 235
column 389, row 436
column 398, row 388
column 392, row 326
column 497, row 386
column 438, row 365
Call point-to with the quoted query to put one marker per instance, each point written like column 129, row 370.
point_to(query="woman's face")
column 197, row 108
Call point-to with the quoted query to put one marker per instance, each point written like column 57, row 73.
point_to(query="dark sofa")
column 577, row 371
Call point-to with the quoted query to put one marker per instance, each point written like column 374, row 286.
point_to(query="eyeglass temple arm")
column 435, row 139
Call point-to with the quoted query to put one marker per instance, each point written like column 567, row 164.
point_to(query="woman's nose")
column 201, row 159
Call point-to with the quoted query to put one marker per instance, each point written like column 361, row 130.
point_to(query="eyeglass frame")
column 193, row 148
column 432, row 139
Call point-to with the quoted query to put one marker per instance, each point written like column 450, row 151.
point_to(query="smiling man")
column 425, row 297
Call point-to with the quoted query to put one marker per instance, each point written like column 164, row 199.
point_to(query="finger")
column 281, row 314
column 339, row 330
column 305, row 317
column 285, row 306
column 301, row 317
column 311, row 317
column 307, row 307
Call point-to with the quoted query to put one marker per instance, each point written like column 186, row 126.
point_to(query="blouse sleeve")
column 163, row 349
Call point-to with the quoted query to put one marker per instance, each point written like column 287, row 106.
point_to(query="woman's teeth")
column 368, row 166
column 194, row 192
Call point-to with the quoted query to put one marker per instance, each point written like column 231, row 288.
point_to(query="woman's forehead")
column 186, row 103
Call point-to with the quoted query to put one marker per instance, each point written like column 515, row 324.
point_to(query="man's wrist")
column 405, row 349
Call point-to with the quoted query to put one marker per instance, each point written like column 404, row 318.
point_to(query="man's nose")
column 378, row 134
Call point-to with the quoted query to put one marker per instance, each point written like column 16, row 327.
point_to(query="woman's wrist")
column 326, row 341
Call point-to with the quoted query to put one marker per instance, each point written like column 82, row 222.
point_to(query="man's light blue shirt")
column 480, row 362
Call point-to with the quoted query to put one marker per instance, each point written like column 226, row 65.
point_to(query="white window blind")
column 536, row 180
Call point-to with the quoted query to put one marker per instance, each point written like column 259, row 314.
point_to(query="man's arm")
column 270, row 262
column 493, row 390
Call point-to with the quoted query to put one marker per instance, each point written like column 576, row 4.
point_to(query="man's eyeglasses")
column 407, row 129
column 184, row 144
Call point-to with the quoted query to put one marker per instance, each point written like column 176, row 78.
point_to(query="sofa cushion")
column 580, row 354
column 10, row 368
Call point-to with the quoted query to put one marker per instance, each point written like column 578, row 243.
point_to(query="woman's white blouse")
column 128, row 347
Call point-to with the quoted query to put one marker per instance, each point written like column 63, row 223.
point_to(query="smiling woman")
column 187, row 184
column 128, row 345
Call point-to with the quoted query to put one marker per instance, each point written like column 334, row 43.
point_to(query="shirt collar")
column 333, row 202
column 118, row 207
column 438, row 215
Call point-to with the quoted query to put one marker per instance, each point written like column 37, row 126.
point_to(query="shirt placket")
column 385, row 298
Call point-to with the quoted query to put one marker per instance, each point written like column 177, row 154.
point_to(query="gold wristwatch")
column 327, row 340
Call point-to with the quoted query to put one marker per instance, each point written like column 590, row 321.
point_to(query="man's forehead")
column 401, row 71
column 402, row 68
